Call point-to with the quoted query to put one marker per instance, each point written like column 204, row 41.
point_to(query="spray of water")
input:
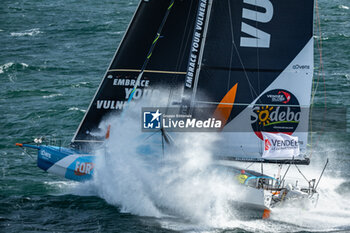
column 332, row 212
column 132, row 172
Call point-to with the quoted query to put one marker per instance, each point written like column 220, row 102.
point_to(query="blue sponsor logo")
column 152, row 120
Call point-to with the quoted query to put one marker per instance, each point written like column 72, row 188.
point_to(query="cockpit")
column 265, row 182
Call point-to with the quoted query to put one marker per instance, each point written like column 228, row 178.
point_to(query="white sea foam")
column 4, row 67
column 61, row 187
column 76, row 109
column 118, row 32
column 24, row 65
column 30, row 32
column 332, row 211
column 180, row 184
column 7, row 66
column 52, row 95
column 77, row 85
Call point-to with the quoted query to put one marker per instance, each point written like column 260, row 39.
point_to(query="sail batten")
column 240, row 69
column 147, row 71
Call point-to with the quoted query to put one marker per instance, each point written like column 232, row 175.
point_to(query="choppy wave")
column 81, row 84
column 61, row 185
column 5, row 67
column 10, row 66
column 344, row 7
column 52, row 95
column 77, row 109
column 30, row 32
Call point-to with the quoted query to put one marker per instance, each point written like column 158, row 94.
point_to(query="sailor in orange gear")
column 242, row 177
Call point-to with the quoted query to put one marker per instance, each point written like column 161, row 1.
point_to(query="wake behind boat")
column 245, row 65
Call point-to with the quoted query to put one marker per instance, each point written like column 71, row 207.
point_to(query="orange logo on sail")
column 82, row 168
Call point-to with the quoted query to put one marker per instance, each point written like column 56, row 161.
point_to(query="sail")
column 256, row 73
column 249, row 61
column 166, row 67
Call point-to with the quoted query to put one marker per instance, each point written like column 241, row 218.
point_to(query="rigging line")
column 162, row 135
column 301, row 173
column 257, row 47
column 147, row 71
column 319, row 46
column 181, row 55
column 180, row 58
column 314, row 89
column 324, row 168
column 231, row 58
column 318, row 38
column 251, row 89
column 154, row 43
column 151, row 135
column 249, row 166
column 319, row 71
column 319, row 74
column 26, row 152
column 322, row 70
column 240, row 69
column 284, row 175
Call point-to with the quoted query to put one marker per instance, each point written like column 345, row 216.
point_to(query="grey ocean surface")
column 52, row 58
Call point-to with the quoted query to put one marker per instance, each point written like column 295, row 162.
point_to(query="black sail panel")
column 263, row 51
column 227, row 60
column 167, row 65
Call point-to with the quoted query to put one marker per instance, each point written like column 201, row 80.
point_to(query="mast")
column 206, row 25
column 196, row 53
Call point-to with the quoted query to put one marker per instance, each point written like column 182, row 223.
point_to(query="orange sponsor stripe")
column 224, row 108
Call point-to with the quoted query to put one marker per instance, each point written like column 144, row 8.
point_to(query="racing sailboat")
column 249, row 62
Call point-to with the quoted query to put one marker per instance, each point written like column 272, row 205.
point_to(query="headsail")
column 260, row 52
column 167, row 65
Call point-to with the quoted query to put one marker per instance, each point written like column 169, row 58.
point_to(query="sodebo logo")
column 276, row 111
